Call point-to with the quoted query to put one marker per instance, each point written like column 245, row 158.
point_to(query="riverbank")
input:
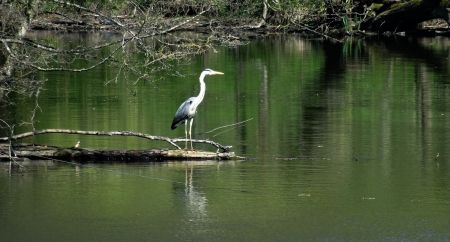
column 231, row 28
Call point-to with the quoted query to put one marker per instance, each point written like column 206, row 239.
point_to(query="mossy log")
column 40, row 152
column 404, row 15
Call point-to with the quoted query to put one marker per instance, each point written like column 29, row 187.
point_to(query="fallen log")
column 41, row 152
column 403, row 15
column 9, row 150
column 111, row 133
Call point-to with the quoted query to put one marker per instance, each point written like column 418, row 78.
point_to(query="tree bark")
column 39, row 152
column 29, row 11
column 264, row 16
column 404, row 15
column 11, row 151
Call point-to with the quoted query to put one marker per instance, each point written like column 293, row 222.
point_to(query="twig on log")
column 112, row 133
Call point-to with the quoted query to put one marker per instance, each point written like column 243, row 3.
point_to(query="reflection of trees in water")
column 432, row 143
column 386, row 119
column 240, row 99
column 263, row 113
column 424, row 109
column 332, row 88
column 417, row 50
column 326, row 87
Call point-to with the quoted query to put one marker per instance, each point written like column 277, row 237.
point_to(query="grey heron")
column 188, row 108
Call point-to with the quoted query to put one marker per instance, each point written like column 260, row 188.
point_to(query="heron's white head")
column 210, row 72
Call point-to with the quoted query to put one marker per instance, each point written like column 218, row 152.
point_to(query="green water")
column 346, row 142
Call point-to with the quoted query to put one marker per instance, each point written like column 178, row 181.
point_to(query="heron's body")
column 187, row 110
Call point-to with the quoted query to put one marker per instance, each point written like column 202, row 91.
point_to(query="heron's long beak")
column 217, row 73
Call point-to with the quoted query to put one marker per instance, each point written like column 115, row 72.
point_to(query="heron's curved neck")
column 201, row 94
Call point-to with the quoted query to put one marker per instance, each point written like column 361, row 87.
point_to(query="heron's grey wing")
column 182, row 113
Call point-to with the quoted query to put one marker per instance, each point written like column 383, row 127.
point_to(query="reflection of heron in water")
column 196, row 202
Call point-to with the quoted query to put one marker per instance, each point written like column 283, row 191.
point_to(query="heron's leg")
column 190, row 133
column 185, row 134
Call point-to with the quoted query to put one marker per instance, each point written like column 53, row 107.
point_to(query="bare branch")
column 5, row 43
column 11, row 133
column 264, row 16
column 229, row 125
column 81, row 132
column 317, row 32
column 35, row 109
column 52, row 49
column 40, row 68
column 89, row 11
column 183, row 23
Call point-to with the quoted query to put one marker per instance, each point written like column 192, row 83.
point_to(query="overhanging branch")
column 89, row 11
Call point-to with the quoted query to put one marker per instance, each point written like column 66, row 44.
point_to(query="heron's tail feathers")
column 176, row 121
column 174, row 125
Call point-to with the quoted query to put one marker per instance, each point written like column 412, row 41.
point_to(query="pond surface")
column 347, row 141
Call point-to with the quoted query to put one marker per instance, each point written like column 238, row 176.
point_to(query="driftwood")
column 9, row 150
column 40, row 152
column 112, row 133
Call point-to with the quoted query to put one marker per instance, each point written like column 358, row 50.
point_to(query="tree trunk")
column 18, row 31
column 39, row 152
column 13, row 151
column 405, row 15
